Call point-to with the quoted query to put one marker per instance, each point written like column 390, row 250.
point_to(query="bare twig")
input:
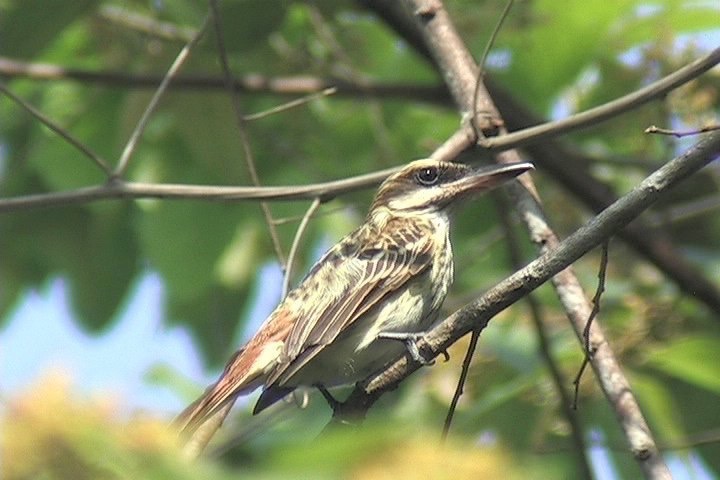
column 252, row 83
column 558, row 379
column 608, row 110
column 481, row 68
column 602, row 274
column 291, row 104
column 478, row 313
column 298, row 218
column 145, row 24
column 308, row 85
column 296, row 243
column 456, row 65
column 242, row 131
column 137, row 133
column 129, row 190
column 680, row 134
column 474, row 337
column 135, row 190
column 62, row 133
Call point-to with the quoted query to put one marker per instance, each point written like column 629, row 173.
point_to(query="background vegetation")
column 390, row 106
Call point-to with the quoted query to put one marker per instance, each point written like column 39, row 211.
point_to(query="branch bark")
column 476, row 315
column 455, row 63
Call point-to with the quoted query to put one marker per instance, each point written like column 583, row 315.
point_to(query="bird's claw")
column 410, row 340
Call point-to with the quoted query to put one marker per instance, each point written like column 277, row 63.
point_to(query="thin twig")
column 680, row 134
column 62, row 133
column 296, row 243
column 602, row 274
column 474, row 337
column 481, row 65
column 297, row 218
column 137, row 190
column 291, row 104
column 145, row 24
column 558, row 379
column 608, row 110
column 251, row 83
column 242, row 131
column 478, row 313
column 120, row 189
column 306, row 84
column 137, row 133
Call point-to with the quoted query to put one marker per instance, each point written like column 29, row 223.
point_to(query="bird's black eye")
column 427, row 176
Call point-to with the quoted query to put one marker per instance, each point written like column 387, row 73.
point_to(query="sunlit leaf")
column 688, row 359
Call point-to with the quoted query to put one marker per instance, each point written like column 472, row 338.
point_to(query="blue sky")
column 41, row 336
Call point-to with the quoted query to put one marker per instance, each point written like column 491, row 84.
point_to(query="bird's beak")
column 486, row 178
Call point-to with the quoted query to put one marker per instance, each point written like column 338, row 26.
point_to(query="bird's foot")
column 410, row 340
column 334, row 404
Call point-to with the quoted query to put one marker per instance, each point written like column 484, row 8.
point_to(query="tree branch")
column 313, row 85
column 566, row 166
column 579, row 450
column 477, row 314
column 459, row 71
column 242, row 129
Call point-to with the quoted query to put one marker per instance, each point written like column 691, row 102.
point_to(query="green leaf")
column 90, row 119
column 549, row 54
column 248, row 23
column 104, row 267
column 657, row 401
column 690, row 359
column 183, row 241
column 28, row 26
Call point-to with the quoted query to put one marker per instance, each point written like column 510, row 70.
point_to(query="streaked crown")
column 426, row 186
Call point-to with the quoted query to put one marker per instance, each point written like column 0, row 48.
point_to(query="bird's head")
column 428, row 186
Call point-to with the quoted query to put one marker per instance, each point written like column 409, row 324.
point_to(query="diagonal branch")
column 476, row 315
column 242, row 129
column 459, row 71
column 137, row 133
column 61, row 132
column 579, row 449
column 565, row 166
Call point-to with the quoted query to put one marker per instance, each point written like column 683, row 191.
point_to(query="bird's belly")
column 357, row 353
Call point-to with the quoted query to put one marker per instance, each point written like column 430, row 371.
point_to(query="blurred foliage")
column 50, row 433
column 556, row 60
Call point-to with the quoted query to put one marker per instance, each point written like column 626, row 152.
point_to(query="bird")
column 366, row 301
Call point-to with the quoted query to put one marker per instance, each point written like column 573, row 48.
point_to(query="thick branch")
column 459, row 71
column 476, row 315
column 567, row 166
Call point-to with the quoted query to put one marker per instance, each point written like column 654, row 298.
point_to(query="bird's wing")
column 359, row 279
